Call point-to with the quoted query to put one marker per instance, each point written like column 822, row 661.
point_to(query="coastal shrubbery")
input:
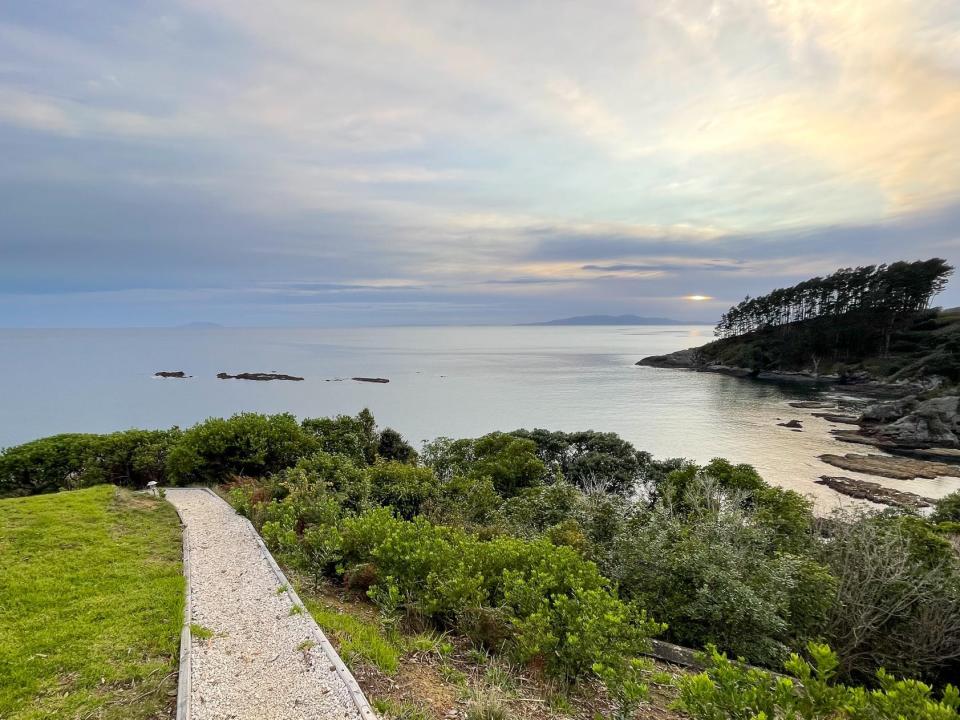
column 213, row 451
column 75, row 460
column 729, row 690
column 557, row 549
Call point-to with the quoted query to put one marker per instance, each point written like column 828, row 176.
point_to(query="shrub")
column 727, row 689
column 897, row 602
column 320, row 551
column 403, row 487
column 354, row 437
column 246, row 444
column 334, row 475
column 536, row 509
column 130, row 458
column 716, row 577
column 465, row 501
column 947, row 509
column 510, row 462
column 557, row 605
column 589, row 458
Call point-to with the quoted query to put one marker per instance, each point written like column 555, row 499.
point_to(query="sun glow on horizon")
column 698, row 298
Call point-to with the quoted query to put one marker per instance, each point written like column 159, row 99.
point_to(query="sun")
column 697, row 298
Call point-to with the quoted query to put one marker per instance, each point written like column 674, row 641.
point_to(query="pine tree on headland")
column 881, row 292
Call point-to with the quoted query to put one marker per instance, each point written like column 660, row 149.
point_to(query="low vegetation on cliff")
column 565, row 553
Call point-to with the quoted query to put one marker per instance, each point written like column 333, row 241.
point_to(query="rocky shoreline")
column 860, row 383
column 919, row 434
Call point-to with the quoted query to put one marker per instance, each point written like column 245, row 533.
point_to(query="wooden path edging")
column 183, row 678
column 353, row 688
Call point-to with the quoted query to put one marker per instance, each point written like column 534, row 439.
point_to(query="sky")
column 308, row 163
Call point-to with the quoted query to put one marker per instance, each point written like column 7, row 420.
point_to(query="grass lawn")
column 91, row 605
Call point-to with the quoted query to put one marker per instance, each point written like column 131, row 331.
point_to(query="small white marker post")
column 152, row 487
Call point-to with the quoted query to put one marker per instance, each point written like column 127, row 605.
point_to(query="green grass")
column 200, row 632
column 357, row 638
column 91, row 606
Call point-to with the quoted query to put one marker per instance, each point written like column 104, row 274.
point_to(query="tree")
column 589, row 458
column 392, row 446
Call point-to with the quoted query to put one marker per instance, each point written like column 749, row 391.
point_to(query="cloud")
column 500, row 160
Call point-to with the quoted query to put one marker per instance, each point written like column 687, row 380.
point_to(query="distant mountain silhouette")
column 200, row 325
column 618, row 320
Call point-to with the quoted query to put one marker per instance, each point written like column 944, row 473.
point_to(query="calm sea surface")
column 454, row 381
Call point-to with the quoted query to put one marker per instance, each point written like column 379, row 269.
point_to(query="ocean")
column 444, row 381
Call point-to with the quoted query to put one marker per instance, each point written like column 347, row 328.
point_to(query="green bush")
column 355, row 437
column 392, row 446
column 715, row 576
column 560, row 608
column 403, row 487
column 465, row 501
column 727, row 690
column 510, row 462
column 246, row 444
column 947, row 509
column 589, row 458
column 130, row 458
column 336, row 475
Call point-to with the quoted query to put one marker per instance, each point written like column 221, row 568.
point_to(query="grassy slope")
column 91, row 604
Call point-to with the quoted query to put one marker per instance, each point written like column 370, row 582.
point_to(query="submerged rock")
column 791, row 424
column 813, row 404
column 875, row 492
column 171, row 374
column 371, row 379
column 258, row 376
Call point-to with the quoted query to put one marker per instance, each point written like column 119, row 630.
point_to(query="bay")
column 452, row 381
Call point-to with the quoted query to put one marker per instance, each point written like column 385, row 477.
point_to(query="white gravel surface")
column 256, row 666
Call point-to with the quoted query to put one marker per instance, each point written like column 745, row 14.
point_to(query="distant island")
column 617, row 320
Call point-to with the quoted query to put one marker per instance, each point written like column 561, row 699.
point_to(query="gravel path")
column 263, row 662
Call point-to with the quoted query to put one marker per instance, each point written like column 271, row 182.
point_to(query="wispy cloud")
column 498, row 160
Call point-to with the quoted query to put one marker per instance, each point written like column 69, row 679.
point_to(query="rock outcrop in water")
column 874, row 492
column 371, row 379
column 258, row 376
column 685, row 359
column 171, row 374
column 898, row 468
